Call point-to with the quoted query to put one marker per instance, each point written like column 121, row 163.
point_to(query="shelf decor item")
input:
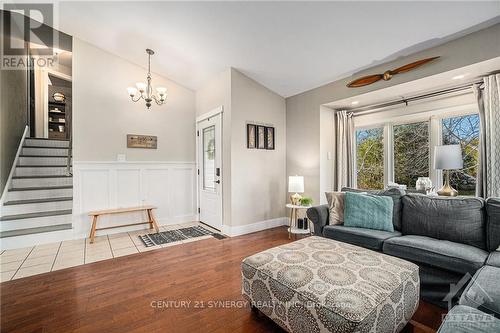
column 306, row 201
column 296, row 184
column 145, row 91
column 59, row 97
column 448, row 157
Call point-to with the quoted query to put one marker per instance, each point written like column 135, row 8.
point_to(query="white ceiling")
column 289, row 47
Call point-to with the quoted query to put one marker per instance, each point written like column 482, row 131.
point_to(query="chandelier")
column 145, row 90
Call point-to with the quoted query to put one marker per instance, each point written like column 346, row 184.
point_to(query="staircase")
column 40, row 195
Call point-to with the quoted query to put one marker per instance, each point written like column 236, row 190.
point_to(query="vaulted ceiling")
column 289, row 47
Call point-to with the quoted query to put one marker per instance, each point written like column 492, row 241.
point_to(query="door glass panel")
column 370, row 158
column 209, row 158
column 464, row 131
column 411, row 153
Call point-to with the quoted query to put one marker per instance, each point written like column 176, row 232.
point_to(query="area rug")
column 176, row 235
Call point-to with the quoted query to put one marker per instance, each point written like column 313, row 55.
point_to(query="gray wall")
column 13, row 117
column 303, row 110
column 13, row 114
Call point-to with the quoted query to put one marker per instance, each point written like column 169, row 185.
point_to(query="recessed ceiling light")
column 355, row 102
column 458, row 77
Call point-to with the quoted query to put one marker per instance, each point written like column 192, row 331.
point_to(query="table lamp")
column 295, row 185
column 448, row 157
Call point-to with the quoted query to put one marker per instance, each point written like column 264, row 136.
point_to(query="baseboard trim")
column 254, row 227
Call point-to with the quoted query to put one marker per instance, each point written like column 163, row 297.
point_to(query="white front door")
column 209, row 133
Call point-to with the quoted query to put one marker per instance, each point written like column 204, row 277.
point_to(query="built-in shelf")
column 55, row 124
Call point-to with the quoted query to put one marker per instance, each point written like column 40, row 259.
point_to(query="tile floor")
column 18, row 263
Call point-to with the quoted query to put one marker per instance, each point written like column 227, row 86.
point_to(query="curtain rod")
column 375, row 107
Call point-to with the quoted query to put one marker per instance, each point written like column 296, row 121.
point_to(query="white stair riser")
column 36, row 207
column 47, row 143
column 41, row 182
column 43, row 160
column 34, row 222
column 39, row 194
column 41, row 171
column 45, row 151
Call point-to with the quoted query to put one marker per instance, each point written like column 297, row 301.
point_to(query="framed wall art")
column 260, row 137
column 270, row 138
column 251, row 136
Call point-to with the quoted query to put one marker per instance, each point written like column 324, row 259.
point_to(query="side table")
column 292, row 225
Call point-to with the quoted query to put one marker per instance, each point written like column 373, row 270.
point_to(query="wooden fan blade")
column 413, row 65
column 365, row 80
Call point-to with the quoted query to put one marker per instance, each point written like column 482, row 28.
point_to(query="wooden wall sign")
column 142, row 141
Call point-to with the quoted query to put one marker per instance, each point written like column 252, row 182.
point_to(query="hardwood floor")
column 134, row 293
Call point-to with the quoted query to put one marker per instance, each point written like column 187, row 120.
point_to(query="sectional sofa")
column 449, row 238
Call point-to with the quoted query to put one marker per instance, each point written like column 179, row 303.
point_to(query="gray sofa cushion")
column 493, row 223
column 460, row 220
column 482, row 292
column 494, row 259
column 395, row 195
column 464, row 319
column 455, row 257
column 367, row 238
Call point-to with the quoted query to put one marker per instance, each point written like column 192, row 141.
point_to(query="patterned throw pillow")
column 336, row 206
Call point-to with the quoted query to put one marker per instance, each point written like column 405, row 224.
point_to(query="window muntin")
column 370, row 158
column 463, row 130
column 411, row 152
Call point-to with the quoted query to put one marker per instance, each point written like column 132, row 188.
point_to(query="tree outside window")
column 411, row 153
column 370, row 158
column 464, row 130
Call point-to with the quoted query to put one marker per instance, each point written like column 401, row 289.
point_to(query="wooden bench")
column 149, row 210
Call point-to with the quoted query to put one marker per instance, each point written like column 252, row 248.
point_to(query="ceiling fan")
column 366, row 80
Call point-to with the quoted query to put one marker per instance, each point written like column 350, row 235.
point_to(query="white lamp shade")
column 296, row 184
column 448, row 157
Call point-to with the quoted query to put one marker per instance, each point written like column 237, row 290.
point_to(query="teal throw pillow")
column 368, row 211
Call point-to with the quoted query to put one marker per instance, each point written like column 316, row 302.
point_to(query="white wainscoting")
column 171, row 186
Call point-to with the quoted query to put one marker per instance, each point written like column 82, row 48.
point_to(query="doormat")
column 176, row 235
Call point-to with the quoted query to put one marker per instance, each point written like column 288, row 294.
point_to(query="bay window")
column 400, row 150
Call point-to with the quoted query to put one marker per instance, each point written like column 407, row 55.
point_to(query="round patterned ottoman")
column 322, row 285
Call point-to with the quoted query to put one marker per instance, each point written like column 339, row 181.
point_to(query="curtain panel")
column 488, row 100
column 344, row 150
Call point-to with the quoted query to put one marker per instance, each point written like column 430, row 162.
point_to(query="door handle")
column 217, row 172
column 217, row 181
